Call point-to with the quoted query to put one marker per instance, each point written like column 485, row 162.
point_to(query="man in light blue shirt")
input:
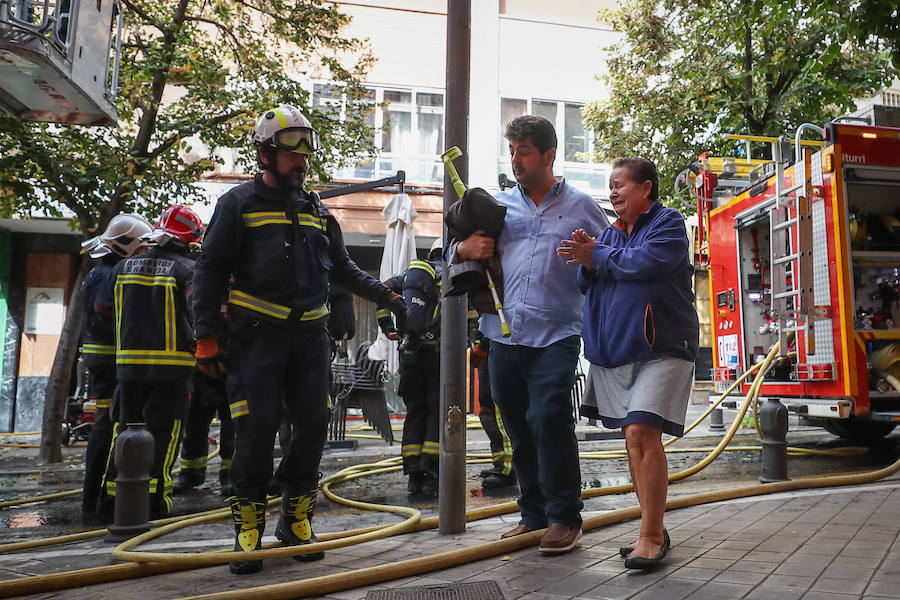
column 532, row 371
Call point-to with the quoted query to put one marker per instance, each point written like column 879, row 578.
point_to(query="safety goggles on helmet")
column 303, row 140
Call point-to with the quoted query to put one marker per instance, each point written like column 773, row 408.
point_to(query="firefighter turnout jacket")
column 98, row 347
column 281, row 246
column 420, row 286
column 150, row 294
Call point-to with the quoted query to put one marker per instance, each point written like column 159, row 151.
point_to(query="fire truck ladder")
column 792, row 257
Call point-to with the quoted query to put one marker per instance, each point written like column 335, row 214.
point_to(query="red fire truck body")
column 810, row 254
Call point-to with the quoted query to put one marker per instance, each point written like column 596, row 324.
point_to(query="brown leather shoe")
column 519, row 530
column 559, row 538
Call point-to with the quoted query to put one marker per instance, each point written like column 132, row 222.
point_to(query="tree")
column 878, row 19
column 220, row 63
column 683, row 73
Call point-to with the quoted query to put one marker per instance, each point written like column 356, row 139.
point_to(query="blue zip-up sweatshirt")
column 639, row 304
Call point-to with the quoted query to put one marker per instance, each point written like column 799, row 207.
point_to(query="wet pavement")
column 711, row 556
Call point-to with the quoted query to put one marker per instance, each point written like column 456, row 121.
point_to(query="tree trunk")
column 57, row 391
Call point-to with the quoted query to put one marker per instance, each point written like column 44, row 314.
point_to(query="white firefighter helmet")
column 122, row 237
column 437, row 246
column 287, row 128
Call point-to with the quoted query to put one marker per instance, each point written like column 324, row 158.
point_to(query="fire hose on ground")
column 156, row 563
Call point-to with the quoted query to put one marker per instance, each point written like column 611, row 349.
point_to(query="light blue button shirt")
column 541, row 301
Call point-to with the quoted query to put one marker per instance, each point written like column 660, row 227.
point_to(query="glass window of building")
column 408, row 131
column 574, row 158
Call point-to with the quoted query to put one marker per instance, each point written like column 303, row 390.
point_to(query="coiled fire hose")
column 166, row 562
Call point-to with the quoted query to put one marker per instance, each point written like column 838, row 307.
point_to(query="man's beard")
column 291, row 180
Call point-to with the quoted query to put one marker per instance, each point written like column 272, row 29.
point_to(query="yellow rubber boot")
column 249, row 523
column 295, row 525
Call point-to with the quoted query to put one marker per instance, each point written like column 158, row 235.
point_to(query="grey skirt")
column 654, row 392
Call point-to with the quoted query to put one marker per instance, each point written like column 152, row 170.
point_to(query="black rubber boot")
column 414, row 486
column 226, row 488
column 295, row 525
column 188, row 479
column 430, row 484
column 249, row 523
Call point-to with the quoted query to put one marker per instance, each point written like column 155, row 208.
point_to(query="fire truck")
column 803, row 247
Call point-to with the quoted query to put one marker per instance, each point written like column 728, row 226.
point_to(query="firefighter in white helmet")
column 121, row 239
column 281, row 247
column 149, row 295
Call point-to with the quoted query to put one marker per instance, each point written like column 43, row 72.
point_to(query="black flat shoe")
column 640, row 562
column 625, row 551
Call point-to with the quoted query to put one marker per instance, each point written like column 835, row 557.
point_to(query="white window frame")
column 396, row 160
column 569, row 168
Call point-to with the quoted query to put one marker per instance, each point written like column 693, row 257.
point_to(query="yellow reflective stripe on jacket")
column 103, row 402
column 155, row 357
column 309, row 220
column 97, row 349
column 135, row 278
column 239, row 409
column 265, row 307
column 315, row 313
column 279, row 311
column 423, row 265
column 258, row 219
column 382, row 313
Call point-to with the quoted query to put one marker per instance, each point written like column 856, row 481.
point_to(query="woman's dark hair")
column 538, row 129
column 640, row 170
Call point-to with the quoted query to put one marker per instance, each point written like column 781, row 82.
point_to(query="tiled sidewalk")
column 824, row 544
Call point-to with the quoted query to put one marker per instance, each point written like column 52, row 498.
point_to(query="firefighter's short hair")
column 538, row 129
column 640, row 170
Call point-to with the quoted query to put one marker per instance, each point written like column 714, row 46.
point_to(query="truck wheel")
column 858, row 430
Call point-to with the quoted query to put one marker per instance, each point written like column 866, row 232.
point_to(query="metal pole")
column 452, row 498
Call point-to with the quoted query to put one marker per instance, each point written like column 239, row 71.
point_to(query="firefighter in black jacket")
column 121, row 239
column 281, row 246
column 419, row 368
column 150, row 294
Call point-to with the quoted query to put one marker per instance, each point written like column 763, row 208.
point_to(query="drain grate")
column 474, row 590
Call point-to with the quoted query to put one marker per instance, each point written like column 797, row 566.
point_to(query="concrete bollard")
column 717, row 421
column 773, row 422
column 133, row 458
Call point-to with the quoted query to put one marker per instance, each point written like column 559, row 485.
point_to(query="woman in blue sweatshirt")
column 640, row 335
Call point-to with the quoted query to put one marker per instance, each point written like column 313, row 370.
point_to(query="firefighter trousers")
column 209, row 399
column 419, row 387
column 161, row 405
column 103, row 386
column 501, row 448
column 277, row 372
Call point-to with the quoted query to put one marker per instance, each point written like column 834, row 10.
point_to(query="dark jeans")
column 532, row 386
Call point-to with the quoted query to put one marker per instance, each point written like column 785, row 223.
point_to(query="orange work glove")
column 209, row 357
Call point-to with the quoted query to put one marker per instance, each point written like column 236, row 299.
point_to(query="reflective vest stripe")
column 97, row 349
column 258, row 304
column 103, row 402
column 279, row 311
column 309, row 220
column 382, row 313
column 134, row 278
column 155, row 357
column 421, row 264
column 239, row 409
column 258, row 219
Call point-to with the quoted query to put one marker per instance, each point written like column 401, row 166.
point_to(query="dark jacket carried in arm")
column 281, row 246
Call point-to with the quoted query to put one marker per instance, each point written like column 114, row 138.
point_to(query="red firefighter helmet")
column 180, row 222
